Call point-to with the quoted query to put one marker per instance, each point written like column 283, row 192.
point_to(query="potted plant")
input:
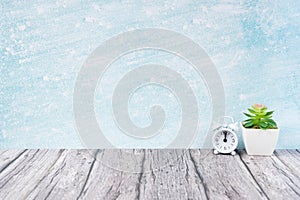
column 260, row 131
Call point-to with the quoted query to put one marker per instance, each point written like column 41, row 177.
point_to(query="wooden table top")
column 147, row 174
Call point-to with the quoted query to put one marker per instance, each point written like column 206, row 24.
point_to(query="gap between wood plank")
column 198, row 174
column 252, row 175
column 12, row 161
column 88, row 175
column 282, row 161
column 59, row 156
column 141, row 176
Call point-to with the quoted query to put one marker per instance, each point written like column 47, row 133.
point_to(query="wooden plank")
column 66, row 177
column 115, row 174
column 147, row 174
column 225, row 176
column 276, row 179
column 21, row 176
column 7, row 157
column 291, row 159
column 170, row 174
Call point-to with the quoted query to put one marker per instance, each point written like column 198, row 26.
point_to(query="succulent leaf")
column 252, row 111
column 249, row 124
column 248, row 115
column 272, row 122
column 269, row 113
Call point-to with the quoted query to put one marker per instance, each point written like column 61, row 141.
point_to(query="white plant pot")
column 260, row 142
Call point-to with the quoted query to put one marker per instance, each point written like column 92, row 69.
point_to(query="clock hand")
column 225, row 134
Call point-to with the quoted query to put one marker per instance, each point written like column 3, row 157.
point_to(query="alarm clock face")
column 225, row 141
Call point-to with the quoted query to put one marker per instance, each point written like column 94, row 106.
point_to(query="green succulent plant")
column 259, row 118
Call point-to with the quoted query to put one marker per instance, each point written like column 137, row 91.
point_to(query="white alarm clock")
column 225, row 139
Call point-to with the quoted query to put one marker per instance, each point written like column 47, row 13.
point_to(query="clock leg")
column 233, row 153
column 216, row 152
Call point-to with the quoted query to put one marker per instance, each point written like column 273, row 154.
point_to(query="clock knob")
column 233, row 126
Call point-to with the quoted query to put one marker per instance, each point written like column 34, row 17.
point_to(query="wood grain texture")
column 226, row 177
column 290, row 158
column 147, row 174
column 8, row 157
column 170, row 174
column 276, row 179
column 107, row 181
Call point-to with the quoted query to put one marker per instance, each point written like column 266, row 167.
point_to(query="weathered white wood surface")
column 147, row 174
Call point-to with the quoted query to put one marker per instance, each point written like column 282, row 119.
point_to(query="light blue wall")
column 254, row 45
